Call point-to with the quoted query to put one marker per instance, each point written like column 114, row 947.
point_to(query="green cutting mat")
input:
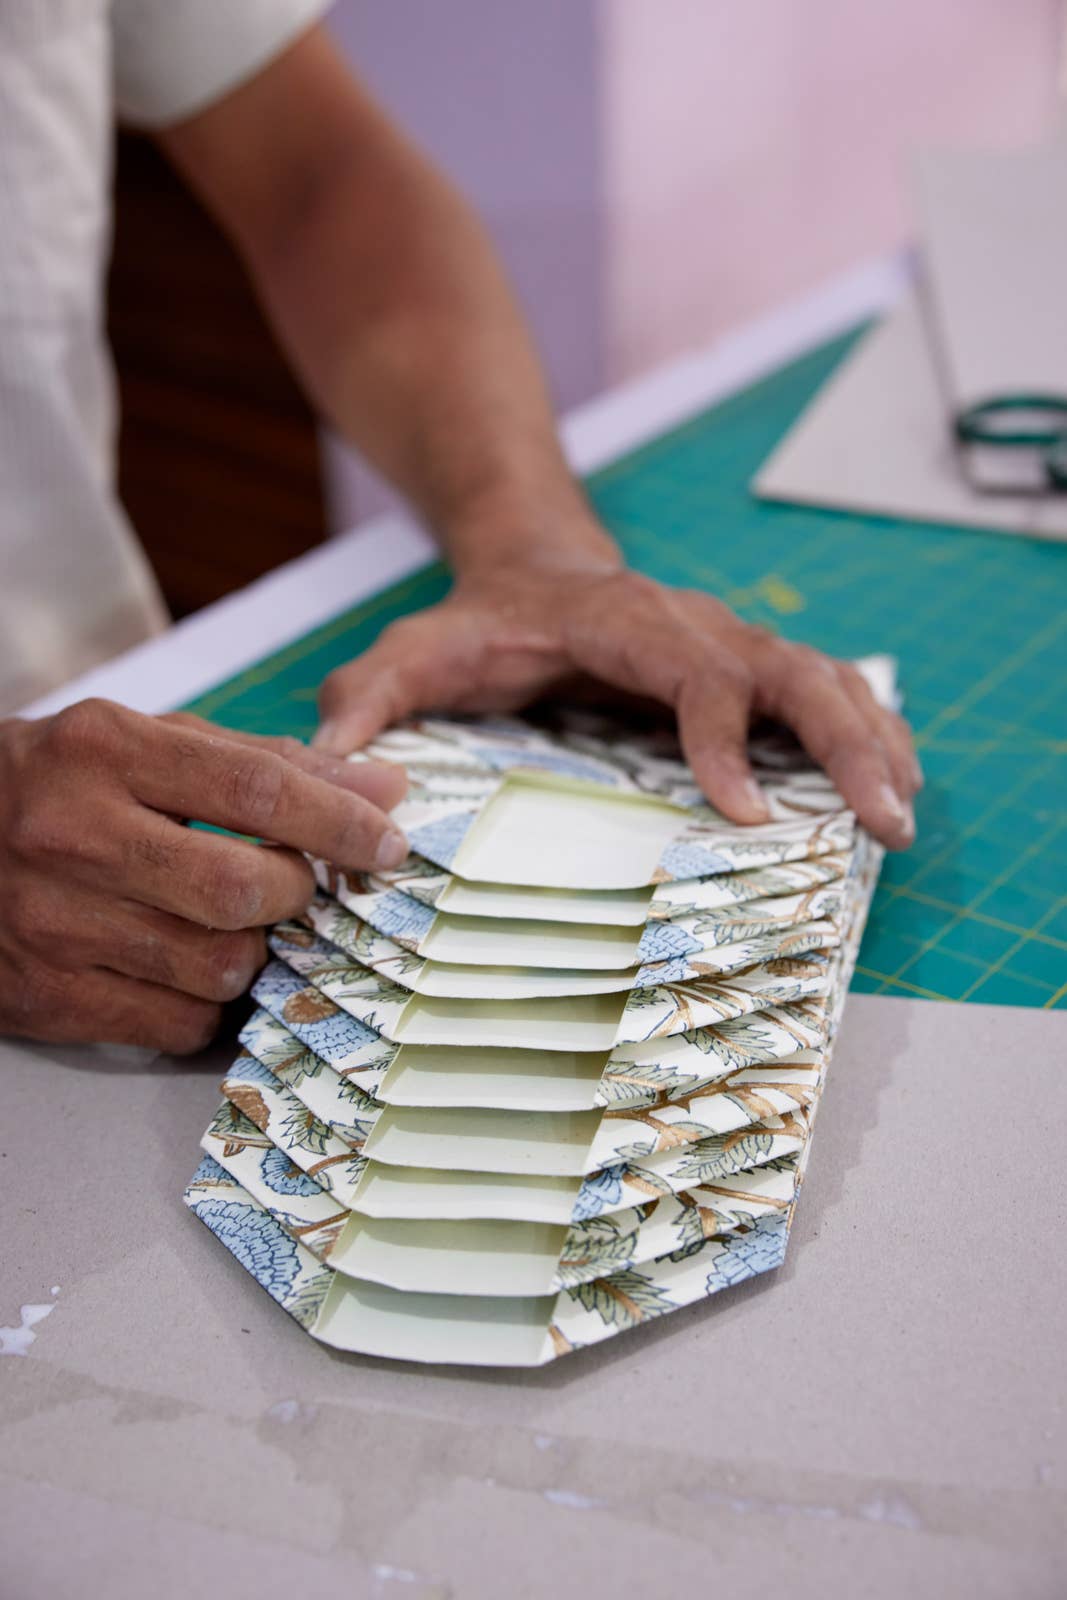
column 977, row 909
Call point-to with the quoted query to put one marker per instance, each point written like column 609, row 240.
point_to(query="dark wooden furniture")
column 219, row 459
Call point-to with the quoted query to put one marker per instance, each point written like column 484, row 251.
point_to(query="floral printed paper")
column 431, row 887
column 579, row 1021
column 667, row 952
column 500, row 1162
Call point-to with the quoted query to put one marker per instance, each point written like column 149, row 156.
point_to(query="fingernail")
column 899, row 810
column 916, row 772
column 324, row 734
column 755, row 797
column 392, row 849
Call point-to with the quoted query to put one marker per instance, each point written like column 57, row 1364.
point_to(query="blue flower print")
column 691, row 861
column 256, row 1240
column 558, row 761
column 439, row 841
column 597, row 1193
column 400, row 917
column 283, row 1177
column 661, row 940
column 761, row 1250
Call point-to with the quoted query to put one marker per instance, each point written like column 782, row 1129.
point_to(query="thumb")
column 382, row 686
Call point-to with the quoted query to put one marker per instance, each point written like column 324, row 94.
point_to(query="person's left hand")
column 505, row 637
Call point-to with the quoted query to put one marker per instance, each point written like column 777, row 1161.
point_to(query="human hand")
column 119, row 924
column 502, row 638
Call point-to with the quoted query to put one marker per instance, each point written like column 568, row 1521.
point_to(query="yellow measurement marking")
column 779, row 594
column 1034, row 848
column 968, row 914
column 1002, row 670
column 882, row 977
column 1014, row 950
column 1051, row 1001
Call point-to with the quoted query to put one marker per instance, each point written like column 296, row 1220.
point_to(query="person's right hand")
column 119, row 924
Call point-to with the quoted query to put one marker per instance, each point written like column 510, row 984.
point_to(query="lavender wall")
column 506, row 98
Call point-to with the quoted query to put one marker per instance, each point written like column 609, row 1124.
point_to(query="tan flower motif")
column 308, row 1006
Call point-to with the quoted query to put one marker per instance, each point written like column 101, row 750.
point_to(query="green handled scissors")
column 1021, row 421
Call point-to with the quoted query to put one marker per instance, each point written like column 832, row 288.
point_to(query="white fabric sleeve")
column 172, row 58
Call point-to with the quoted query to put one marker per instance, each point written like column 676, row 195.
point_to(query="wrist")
column 547, row 532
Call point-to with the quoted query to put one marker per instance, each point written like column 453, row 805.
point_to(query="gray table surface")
column 882, row 1417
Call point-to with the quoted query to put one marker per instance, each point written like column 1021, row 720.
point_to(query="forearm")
column 392, row 306
column 407, row 334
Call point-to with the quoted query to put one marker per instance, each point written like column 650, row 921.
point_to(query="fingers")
column 239, row 784
column 806, row 690
column 107, row 1008
column 163, row 949
column 892, row 730
column 417, row 663
column 206, row 878
column 713, row 707
column 366, row 696
column 380, row 782
column 198, row 962
column 74, row 929
column 646, row 644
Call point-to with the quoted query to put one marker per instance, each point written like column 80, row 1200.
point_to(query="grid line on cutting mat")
column 977, row 620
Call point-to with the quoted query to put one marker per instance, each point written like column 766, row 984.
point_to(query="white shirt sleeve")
column 172, row 58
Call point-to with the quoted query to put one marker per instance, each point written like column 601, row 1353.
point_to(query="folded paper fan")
column 557, row 1075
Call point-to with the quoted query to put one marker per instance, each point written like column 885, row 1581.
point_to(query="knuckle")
column 50, row 835
column 88, row 730
column 32, row 915
column 720, row 671
column 358, row 835
column 233, row 962
column 184, row 719
column 190, row 1029
column 760, row 635
column 854, row 750
column 334, row 689
column 233, row 895
column 40, row 831
column 735, row 677
column 761, row 646
column 626, row 592
column 156, row 962
column 811, row 663
column 288, row 748
column 859, row 692
column 255, row 789
column 160, row 847
column 38, row 993
column 403, row 629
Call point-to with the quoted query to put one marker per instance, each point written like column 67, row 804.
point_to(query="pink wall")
column 754, row 147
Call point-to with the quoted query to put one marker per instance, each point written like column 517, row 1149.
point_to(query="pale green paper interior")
column 616, row 907
column 557, row 834
column 423, row 1192
column 581, row 1023
column 374, row 1320
column 448, row 981
column 524, row 942
column 523, row 1080
column 549, row 1144
column 451, row 1257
